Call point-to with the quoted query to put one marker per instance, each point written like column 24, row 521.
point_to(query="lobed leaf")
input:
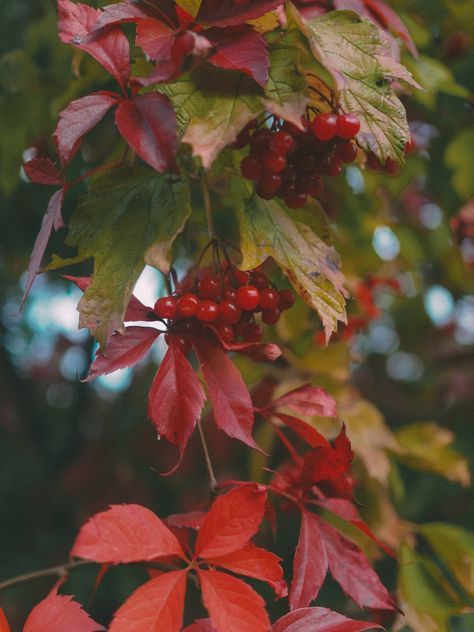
column 59, row 613
column 320, row 620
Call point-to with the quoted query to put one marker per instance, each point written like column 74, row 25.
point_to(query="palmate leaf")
column 357, row 55
column 130, row 218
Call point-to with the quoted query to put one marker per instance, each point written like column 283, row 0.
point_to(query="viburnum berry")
column 166, row 307
column 240, row 276
column 287, row 299
column 347, row 152
column 284, row 142
column 269, row 298
column 251, row 332
column 311, row 184
column 273, row 162
column 271, row 316
column 229, row 311
column 295, row 199
column 260, row 280
column 187, row 305
column 229, row 293
column 248, row 297
column 348, row 125
column 335, row 167
column 209, row 287
column 268, row 186
column 261, row 139
column 207, row 311
column 324, row 126
column 226, row 332
column 251, row 168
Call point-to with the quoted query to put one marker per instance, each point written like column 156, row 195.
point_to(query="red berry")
column 324, row 126
column 271, row 316
column 335, row 167
column 246, row 317
column 261, row 139
column 269, row 298
column 260, row 280
column 209, row 287
column 248, row 297
column 273, row 162
column 166, row 307
column 251, row 168
column 241, row 141
column 183, row 344
column 287, row 299
column 229, row 292
column 226, row 332
column 187, row 305
column 229, row 312
column 207, row 311
column 347, row 152
column 284, row 142
column 373, row 162
column 241, row 277
column 296, row 199
column 391, row 167
column 268, row 186
column 312, row 185
column 348, row 125
column 251, row 332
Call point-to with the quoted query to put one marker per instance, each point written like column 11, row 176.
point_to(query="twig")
column 210, row 469
column 60, row 571
column 207, row 205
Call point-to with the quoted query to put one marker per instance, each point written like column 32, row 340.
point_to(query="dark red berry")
column 241, row 141
column 229, row 292
column 240, row 277
column 226, row 332
column 269, row 298
column 347, row 152
column 251, row 168
column 209, row 287
column 271, row 316
column 312, row 185
column 183, row 344
column 246, row 317
column 260, row 280
column 284, row 142
column 166, row 307
column 391, row 167
column 261, row 139
column 229, row 311
column 273, row 162
column 287, row 299
column 348, row 125
column 187, row 305
column 207, row 311
column 335, row 167
column 324, row 126
column 248, row 297
column 373, row 162
column 268, row 186
column 251, row 332
column 296, row 199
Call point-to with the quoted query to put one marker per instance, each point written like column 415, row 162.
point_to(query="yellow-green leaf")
column 191, row 6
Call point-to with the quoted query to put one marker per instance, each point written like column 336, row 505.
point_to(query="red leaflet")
column 123, row 534
column 4, row 627
column 77, row 119
column 148, row 124
column 232, row 604
column 320, row 620
column 228, row 13
column 352, row 571
column 309, row 434
column 392, row 21
column 155, row 39
column 176, row 398
column 157, row 605
column 58, row 613
column 200, row 625
column 240, row 48
column 76, row 20
column 328, row 463
column 232, row 520
column 123, row 350
column 310, row 563
column 121, row 13
column 52, row 219
column 254, row 350
column 308, row 400
column 231, row 403
column 190, row 520
column 42, row 171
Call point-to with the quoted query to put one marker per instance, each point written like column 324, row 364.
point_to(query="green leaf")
column 308, row 259
column 129, row 218
column 460, row 158
column 436, row 77
column 357, row 55
column 212, row 106
column 455, row 547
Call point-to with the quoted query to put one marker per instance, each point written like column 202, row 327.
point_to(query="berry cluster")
column 228, row 301
column 288, row 162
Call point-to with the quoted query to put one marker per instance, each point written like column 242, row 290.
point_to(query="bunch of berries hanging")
column 288, row 162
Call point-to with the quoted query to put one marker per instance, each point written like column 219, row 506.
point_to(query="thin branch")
column 207, row 205
column 210, row 469
column 59, row 571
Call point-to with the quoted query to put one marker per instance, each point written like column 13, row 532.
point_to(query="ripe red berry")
column 271, row 316
column 229, row 311
column 248, row 297
column 295, row 199
column 166, row 307
column 226, row 332
column 261, row 139
column 268, row 186
column 251, row 332
column 312, row 185
column 287, row 299
column 335, row 166
column 241, row 277
column 251, row 168
column 187, row 305
column 259, row 279
column 273, row 162
column 269, row 298
column 209, row 287
column 348, row 125
column 324, row 126
column 347, row 152
column 229, row 292
column 207, row 311
column 246, row 317
column 284, row 142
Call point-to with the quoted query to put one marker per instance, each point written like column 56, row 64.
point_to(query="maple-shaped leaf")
column 229, row 13
column 124, row 534
column 4, row 627
column 42, row 171
column 148, row 124
column 123, row 350
column 240, row 48
column 358, row 56
column 310, row 563
column 78, row 118
column 308, row 400
column 130, row 218
column 212, row 107
column 52, row 219
column 200, row 625
column 59, row 613
column 157, row 605
column 176, row 398
column 391, row 20
column 320, row 620
column 231, row 404
column 294, row 241
column 230, row 523
column 232, row 604
column 109, row 47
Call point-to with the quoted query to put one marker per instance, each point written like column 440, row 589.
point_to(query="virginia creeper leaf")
column 200, row 625
column 232, row 604
column 78, row 118
column 124, row 534
column 176, row 398
column 328, row 462
column 230, row 523
column 59, row 613
column 42, row 171
column 4, row 627
column 229, row 13
column 302, row 428
column 155, row 39
column 311, row 264
column 157, row 605
column 308, row 400
column 121, row 13
column 320, row 620
column 231, row 404
column 148, row 124
column 129, row 218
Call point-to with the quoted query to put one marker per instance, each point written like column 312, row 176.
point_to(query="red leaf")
column 52, row 219
column 124, row 534
column 309, row 434
column 4, row 627
column 320, row 620
column 200, row 625
column 121, row 13
column 157, row 605
column 232, row 604
column 59, row 613
column 148, row 124
column 390, row 19
column 77, row 119
column 190, row 520
column 176, row 398
column 308, row 400
column 42, row 171
column 231, row 403
column 254, row 350
column 328, row 463
column 257, row 563
column 155, row 39
column 310, row 563
column 230, row 523
column 240, row 48
column 109, row 47
column 226, row 13
column 123, row 350
column 352, row 571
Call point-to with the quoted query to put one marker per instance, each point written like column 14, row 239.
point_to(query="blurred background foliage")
column 405, row 385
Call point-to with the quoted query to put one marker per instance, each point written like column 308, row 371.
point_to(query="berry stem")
column 207, row 457
column 208, row 205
